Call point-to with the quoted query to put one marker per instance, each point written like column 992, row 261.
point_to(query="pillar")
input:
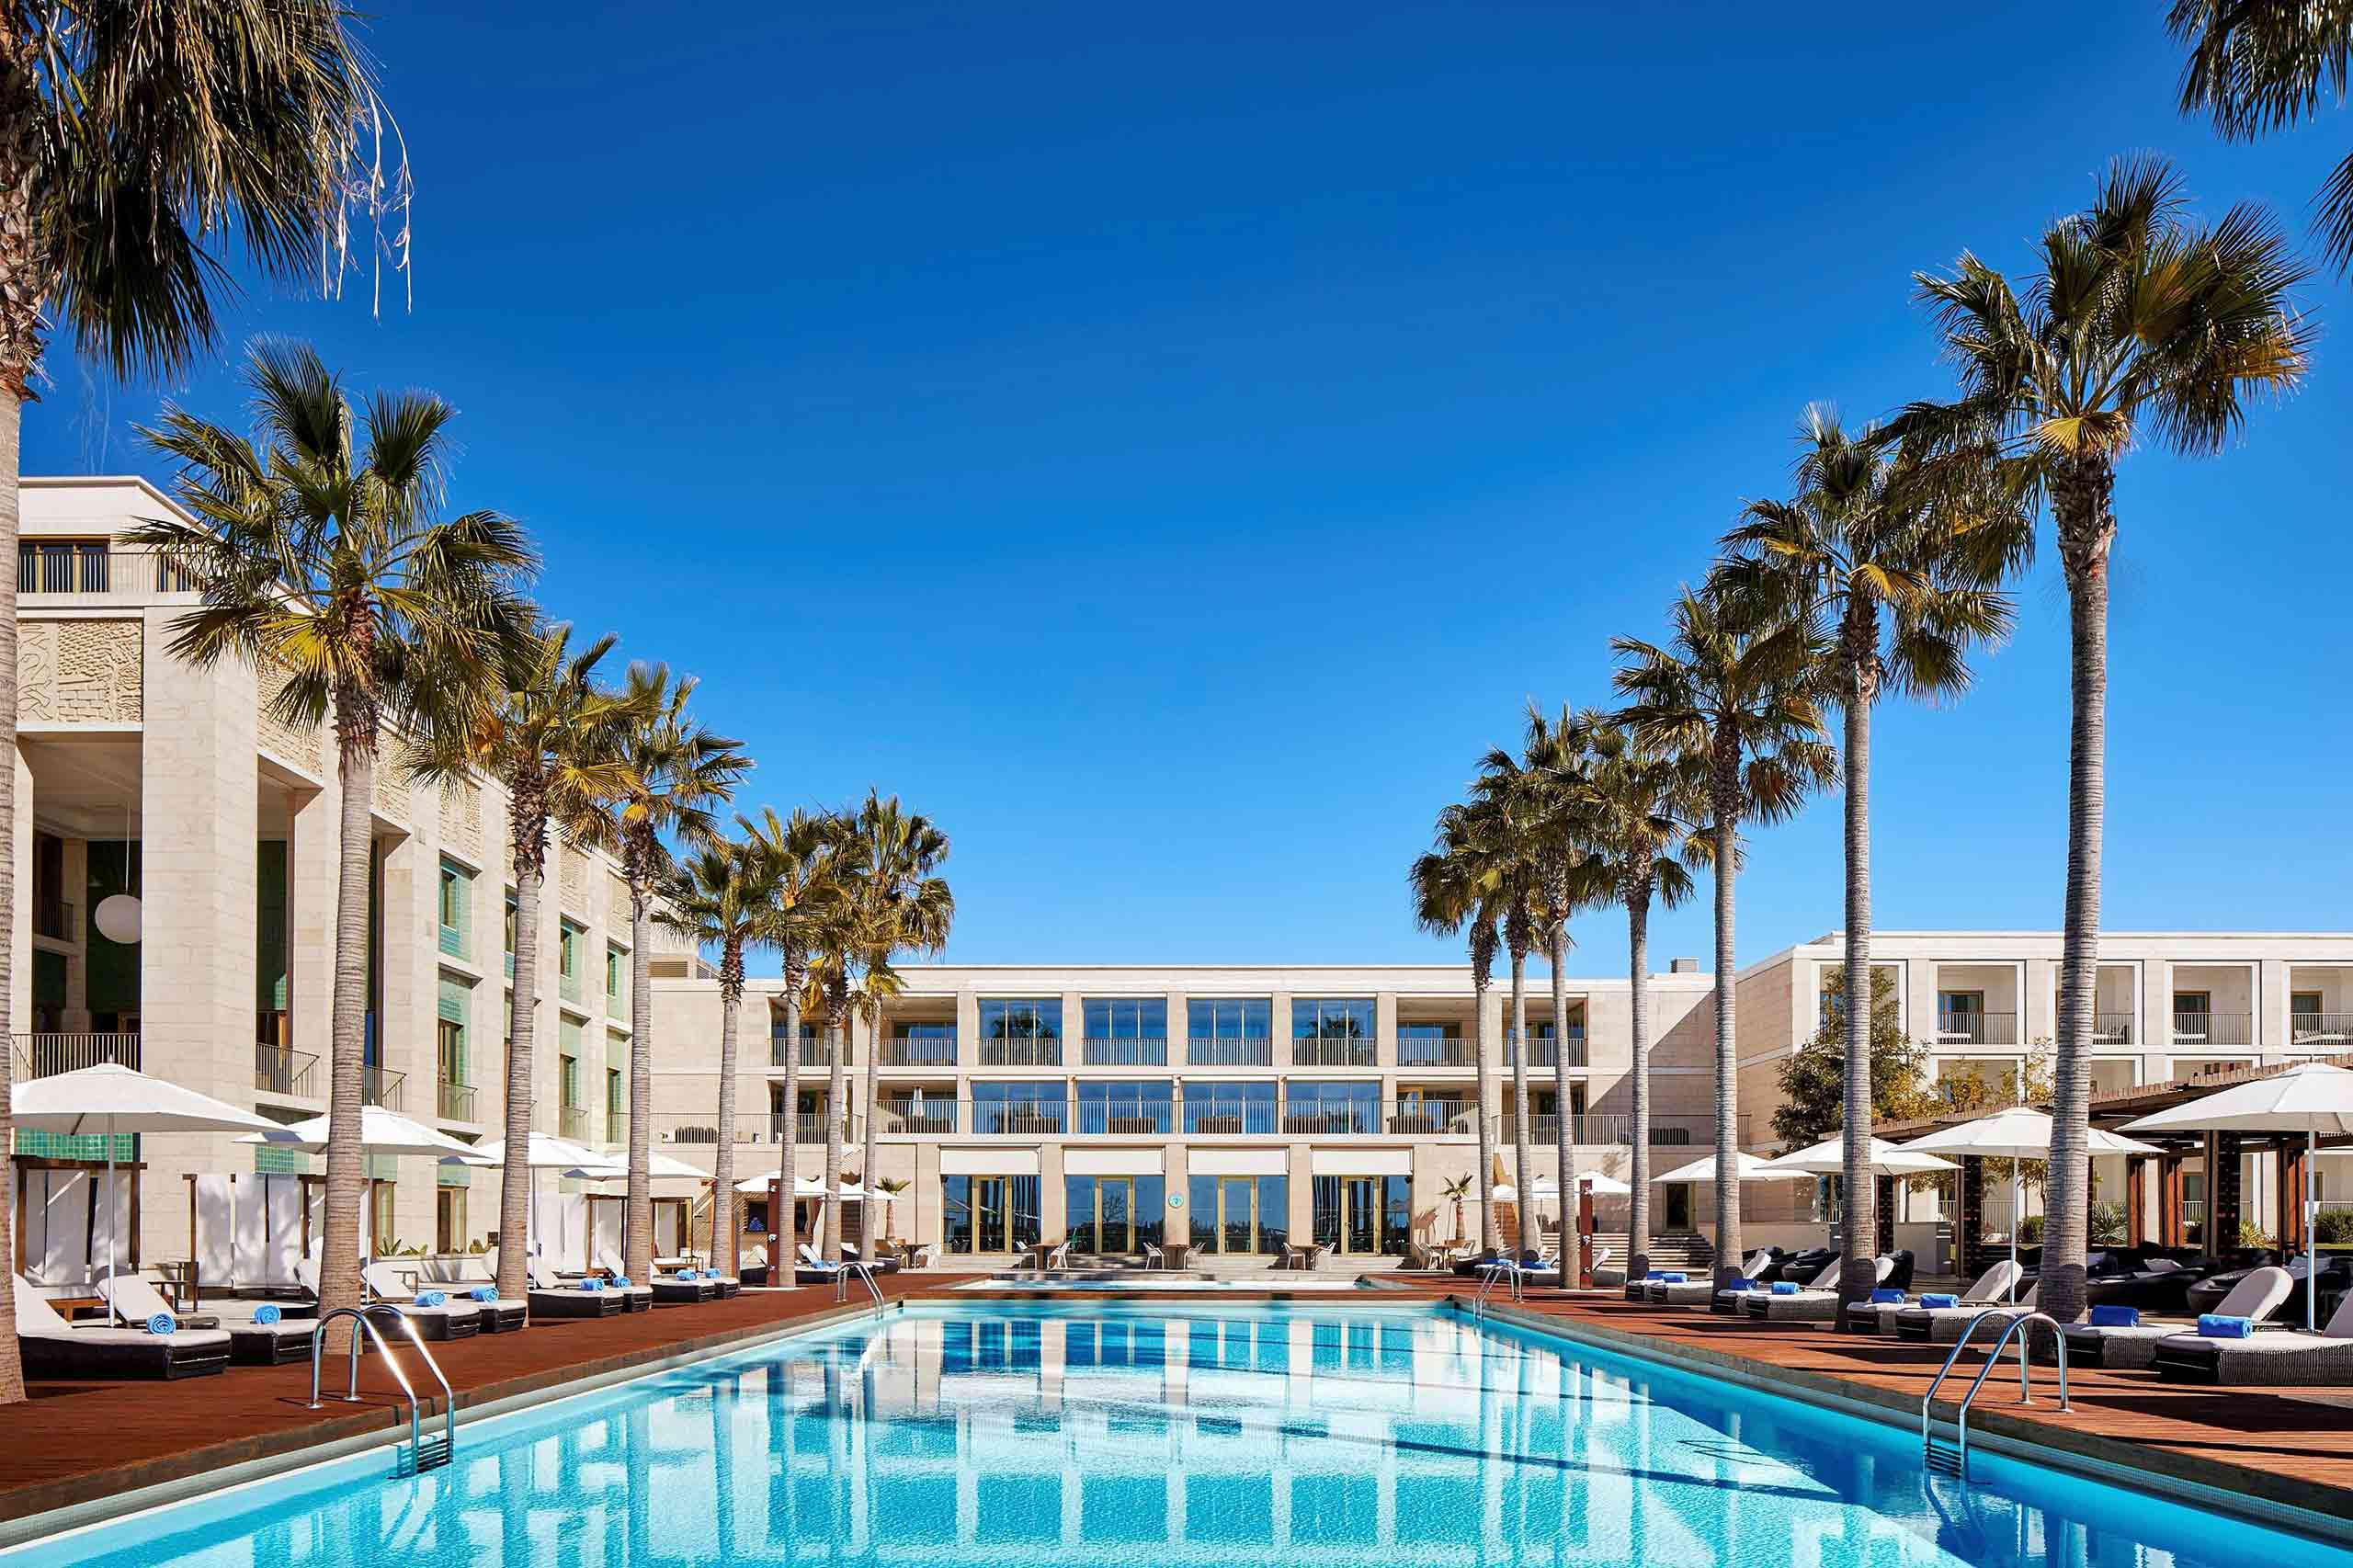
column 2223, row 1213
column 1969, row 1216
column 2290, row 1186
column 2135, row 1201
column 2169, row 1226
column 1584, row 1237
column 1886, row 1210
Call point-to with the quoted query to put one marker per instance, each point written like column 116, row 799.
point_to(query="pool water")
column 1170, row 1434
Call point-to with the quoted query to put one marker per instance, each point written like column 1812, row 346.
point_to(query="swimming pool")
column 1177, row 1435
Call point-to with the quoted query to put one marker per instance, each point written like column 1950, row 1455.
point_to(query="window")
column 1123, row 1032
column 1113, row 1214
column 2309, row 1024
column 449, row 1220
column 988, row 1213
column 567, row 950
column 1239, row 1107
column 1432, row 1045
column 383, row 1208
column 457, row 904
column 1134, row 1108
column 615, row 1095
column 1240, row 1215
column 1357, row 1215
column 510, row 936
column 615, row 966
column 1019, row 1107
column 1231, row 1032
column 1316, row 1108
column 1316, row 1018
column 1021, row 1033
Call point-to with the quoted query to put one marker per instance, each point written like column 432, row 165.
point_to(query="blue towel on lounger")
column 2116, row 1317
column 432, row 1299
column 484, row 1292
column 620, row 1282
column 1884, row 1297
column 1671, row 1277
column 1742, row 1283
column 1940, row 1300
column 1785, row 1288
column 1655, row 1274
column 161, row 1323
column 2214, row 1325
column 592, row 1283
column 266, row 1314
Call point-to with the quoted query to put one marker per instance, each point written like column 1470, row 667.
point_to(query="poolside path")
column 75, row 1441
column 2292, row 1446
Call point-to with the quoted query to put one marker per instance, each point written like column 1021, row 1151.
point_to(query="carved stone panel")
column 80, row 672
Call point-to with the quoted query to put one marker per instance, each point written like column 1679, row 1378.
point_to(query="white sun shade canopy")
column 615, row 1167
column 804, row 1187
column 542, row 1154
column 1829, row 1158
column 110, row 1097
column 1546, row 1189
column 2310, row 1098
column 1746, row 1168
column 2017, row 1134
column 381, row 1133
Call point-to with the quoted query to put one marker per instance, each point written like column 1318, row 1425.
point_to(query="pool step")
column 1944, row 1458
column 426, row 1453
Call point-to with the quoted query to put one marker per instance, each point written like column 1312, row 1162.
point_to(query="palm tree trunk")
column 637, row 1219
column 1862, row 1195
column 725, row 1234
column 1487, row 1237
column 1520, row 1149
column 12, row 1371
column 1727, row 848
column 347, row 1163
column 1638, row 1217
column 1564, row 1133
column 515, row 1181
column 784, row 1227
column 865, row 1236
column 2087, row 528
column 836, row 1046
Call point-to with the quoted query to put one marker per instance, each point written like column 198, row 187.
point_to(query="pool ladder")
column 423, row 1453
column 1952, row 1458
column 863, row 1272
column 1514, row 1283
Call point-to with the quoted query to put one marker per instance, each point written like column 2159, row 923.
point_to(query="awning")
column 1112, row 1161
column 1237, row 1162
column 988, row 1161
column 1361, row 1162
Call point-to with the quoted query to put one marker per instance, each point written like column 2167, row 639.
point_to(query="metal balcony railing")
column 2212, row 1028
column 453, row 1102
column 280, row 1070
column 1545, row 1051
column 380, row 1086
column 1332, row 1118
column 1316, row 1053
column 2331, row 1029
column 1034, row 1119
column 1132, row 1053
column 814, row 1053
column 1128, row 1118
column 809, row 1129
column 1231, row 1118
column 1434, row 1119
column 1021, row 1053
column 41, row 1055
column 56, row 918
column 2111, row 1029
column 917, row 1051
column 1218, row 1051
column 1977, row 1028
column 914, row 1119
column 87, row 569
column 1603, row 1130
column 572, row 1121
column 1451, row 1050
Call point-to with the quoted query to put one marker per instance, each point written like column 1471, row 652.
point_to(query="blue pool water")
column 1160, row 1434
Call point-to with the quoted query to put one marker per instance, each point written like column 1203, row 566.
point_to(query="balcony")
column 2332, row 1032
column 814, row 1053
column 1130, row 1052
column 453, row 1102
column 1021, row 1052
column 914, row 1119
column 1613, row 1129
column 380, row 1086
column 1332, row 1118
column 1434, row 1119
column 617, row 1127
column 87, row 569
column 1977, row 1027
column 56, row 918
column 1032, row 1119
column 2212, row 1028
column 917, row 1051
column 1128, row 1118
column 1424, row 1051
column 572, row 1121
column 42, row 1055
column 1345, row 1052
column 282, row 1070
column 1545, row 1051
column 1222, row 1051
column 2111, row 1029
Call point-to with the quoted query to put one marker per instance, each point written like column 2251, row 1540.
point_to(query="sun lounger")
column 1732, row 1304
column 456, row 1318
column 808, row 1268
column 550, row 1298
column 53, row 1348
column 135, row 1302
column 1992, row 1289
column 2256, row 1298
column 1701, row 1291
column 638, row 1295
column 2283, row 1358
column 1814, row 1304
column 754, row 1265
column 1945, row 1325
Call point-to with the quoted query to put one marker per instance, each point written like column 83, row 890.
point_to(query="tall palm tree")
column 1734, row 695
column 319, row 555
column 1899, row 569
column 722, row 895
column 1451, row 894
column 1505, row 788
column 675, row 774
column 109, row 216
column 2257, row 67
column 2139, row 322
column 901, row 906
column 833, row 985
column 806, row 900
column 551, row 739
column 1641, row 802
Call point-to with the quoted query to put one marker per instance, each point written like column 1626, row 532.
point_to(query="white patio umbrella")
column 381, row 1131
column 2310, row 1098
column 2018, row 1133
column 1829, row 1158
column 1746, row 1168
column 110, row 1099
column 804, row 1187
column 607, row 1167
column 541, row 1153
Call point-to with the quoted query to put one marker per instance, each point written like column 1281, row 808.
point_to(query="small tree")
column 1814, row 1079
column 1456, row 1191
column 890, row 1188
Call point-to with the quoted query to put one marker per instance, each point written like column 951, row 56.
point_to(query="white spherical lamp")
column 117, row 918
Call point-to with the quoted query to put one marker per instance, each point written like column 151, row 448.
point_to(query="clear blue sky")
column 1167, row 445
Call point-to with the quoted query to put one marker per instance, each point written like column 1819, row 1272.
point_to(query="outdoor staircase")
column 1685, row 1250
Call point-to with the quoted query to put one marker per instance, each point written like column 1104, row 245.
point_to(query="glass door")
column 1361, row 1195
column 1114, row 1215
column 988, row 1205
column 1237, row 1227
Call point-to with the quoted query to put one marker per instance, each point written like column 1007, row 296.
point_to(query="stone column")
column 2169, row 1219
column 2222, row 1192
column 2290, row 1156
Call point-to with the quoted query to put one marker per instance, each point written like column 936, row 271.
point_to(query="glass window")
column 1017, row 1032
column 451, row 1049
column 1019, row 1107
column 988, row 1213
column 1124, row 1018
column 1135, row 1107
column 457, row 887
column 1230, row 1018
column 1427, row 1045
column 568, row 949
column 1312, row 1107
column 1243, row 1107
column 568, row 1081
column 1319, row 1019
column 616, row 1099
column 614, row 968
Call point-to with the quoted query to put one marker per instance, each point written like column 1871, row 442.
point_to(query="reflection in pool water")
column 1019, row 1434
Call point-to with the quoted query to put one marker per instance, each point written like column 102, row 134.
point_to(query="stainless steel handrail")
column 1488, row 1274
column 863, row 1271
column 360, row 1316
column 2025, row 1387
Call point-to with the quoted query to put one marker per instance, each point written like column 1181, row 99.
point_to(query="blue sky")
column 1168, row 446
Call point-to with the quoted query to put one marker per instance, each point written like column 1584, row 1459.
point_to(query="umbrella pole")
column 2311, row 1237
column 2018, row 1203
column 114, row 1215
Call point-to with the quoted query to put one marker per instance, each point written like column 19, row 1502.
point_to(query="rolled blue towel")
column 2116, row 1317
column 161, row 1323
column 1655, row 1274
column 266, row 1314
column 1785, row 1286
column 1671, row 1276
column 431, row 1298
column 1883, row 1297
column 484, row 1292
column 620, row 1282
column 1741, row 1282
column 2214, row 1325
column 690, row 1274
column 592, row 1283
column 1940, row 1300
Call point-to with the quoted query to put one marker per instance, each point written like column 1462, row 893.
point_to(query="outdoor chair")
column 134, row 1301
column 1879, row 1317
column 2285, row 1357
column 2127, row 1345
column 52, row 1348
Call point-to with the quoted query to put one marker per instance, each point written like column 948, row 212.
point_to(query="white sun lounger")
column 52, row 1348
column 2257, row 1296
column 1991, row 1289
column 134, row 1300
column 2285, row 1357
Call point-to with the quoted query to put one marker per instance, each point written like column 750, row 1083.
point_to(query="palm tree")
column 550, row 738
column 106, row 209
column 1733, row 695
column 1641, row 801
column 675, row 772
column 722, row 895
column 1455, row 1188
column 2261, row 66
column 2139, row 323
column 890, row 1188
column 1450, row 893
column 832, row 992
column 1504, row 789
column 805, row 899
column 318, row 556
column 1899, row 569
column 900, row 905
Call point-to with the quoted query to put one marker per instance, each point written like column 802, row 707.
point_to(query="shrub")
column 2333, row 1226
column 2254, row 1235
column 2108, row 1224
column 2030, row 1231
